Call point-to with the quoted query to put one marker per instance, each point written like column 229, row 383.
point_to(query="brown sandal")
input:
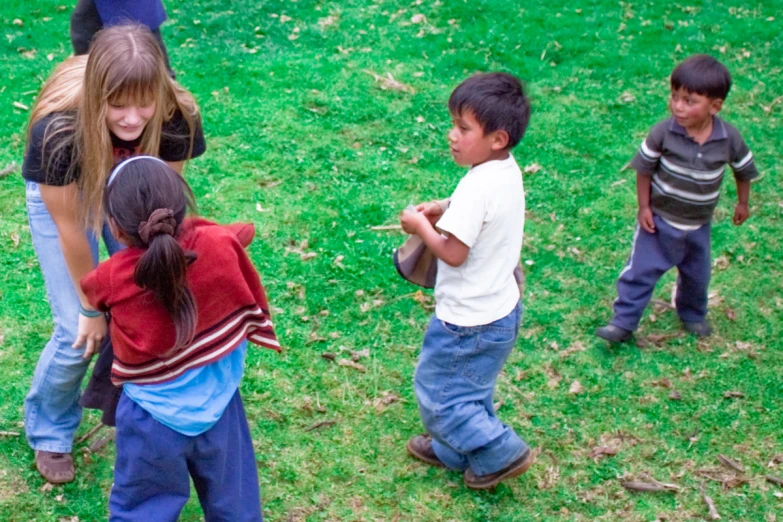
column 56, row 468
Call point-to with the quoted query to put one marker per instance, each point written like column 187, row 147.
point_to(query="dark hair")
column 148, row 201
column 497, row 101
column 702, row 74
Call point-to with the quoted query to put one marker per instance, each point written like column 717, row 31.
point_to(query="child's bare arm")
column 741, row 211
column 449, row 249
column 643, row 187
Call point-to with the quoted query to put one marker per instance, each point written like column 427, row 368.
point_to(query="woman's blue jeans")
column 455, row 381
column 51, row 409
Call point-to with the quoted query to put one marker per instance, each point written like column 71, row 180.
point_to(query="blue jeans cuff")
column 449, row 457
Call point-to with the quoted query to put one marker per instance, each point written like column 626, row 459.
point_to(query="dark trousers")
column 154, row 464
column 85, row 22
column 651, row 256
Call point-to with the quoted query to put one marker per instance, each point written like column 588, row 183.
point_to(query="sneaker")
column 56, row 468
column 420, row 447
column 491, row 480
column 613, row 334
column 701, row 329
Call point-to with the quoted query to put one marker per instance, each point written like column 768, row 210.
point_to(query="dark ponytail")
column 148, row 201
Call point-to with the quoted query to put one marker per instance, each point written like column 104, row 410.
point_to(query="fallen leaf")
column 352, row 364
column 554, row 378
column 551, row 476
column 575, row 388
column 603, row 451
column 721, row 262
column 17, row 22
column 15, row 239
column 355, row 356
column 388, row 82
column 675, row 395
column 387, row 398
column 328, row 356
column 733, row 395
column 731, row 314
column 424, row 300
column 418, row 18
column 326, row 22
column 285, row 18
column 532, row 168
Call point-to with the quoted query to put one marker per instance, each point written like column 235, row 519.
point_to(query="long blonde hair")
column 124, row 66
column 60, row 96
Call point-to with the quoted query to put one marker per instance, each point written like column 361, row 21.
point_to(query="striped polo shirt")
column 686, row 176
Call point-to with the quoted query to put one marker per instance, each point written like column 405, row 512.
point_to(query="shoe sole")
column 413, row 453
column 515, row 472
column 52, row 480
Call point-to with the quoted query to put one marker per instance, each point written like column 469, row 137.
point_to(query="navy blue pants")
column 654, row 254
column 154, row 465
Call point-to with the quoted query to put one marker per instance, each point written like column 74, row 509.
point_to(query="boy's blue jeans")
column 455, row 381
column 52, row 411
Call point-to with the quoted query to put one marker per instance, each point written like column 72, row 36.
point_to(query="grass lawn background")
column 305, row 142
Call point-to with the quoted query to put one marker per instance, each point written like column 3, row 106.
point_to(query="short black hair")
column 702, row 74
column 498, row 102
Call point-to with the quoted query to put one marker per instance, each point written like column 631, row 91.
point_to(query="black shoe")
column 701, row 329
column 514, row 469
column 613, row 334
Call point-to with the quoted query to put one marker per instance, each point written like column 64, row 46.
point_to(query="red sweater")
column 230, row 300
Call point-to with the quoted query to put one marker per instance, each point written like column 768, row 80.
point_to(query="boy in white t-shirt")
column 477, row 243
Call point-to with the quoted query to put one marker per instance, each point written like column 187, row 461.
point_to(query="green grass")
column 292, row 102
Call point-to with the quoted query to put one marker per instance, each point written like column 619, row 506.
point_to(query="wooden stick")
column 730, row 463
column 713, row 515
column 90, row 433
column 636, row 485
column 321, row 424
column 9, row 433
column 100, row 443
column 775, row 480
column 386, row 227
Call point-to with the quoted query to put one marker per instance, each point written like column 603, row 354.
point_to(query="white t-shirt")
column 487, row 213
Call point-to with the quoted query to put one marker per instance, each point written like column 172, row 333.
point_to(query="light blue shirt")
column 193, row 402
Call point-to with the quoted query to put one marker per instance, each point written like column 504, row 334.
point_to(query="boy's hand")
column 431, row 210
column 741, row 213
column 645, row 218
column 412, row 221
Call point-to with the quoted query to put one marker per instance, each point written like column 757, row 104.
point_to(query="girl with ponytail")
column 184, row 300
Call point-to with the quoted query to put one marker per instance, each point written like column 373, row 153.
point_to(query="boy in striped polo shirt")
column 679, row 170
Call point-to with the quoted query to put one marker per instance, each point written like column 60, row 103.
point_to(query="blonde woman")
column 93, row 112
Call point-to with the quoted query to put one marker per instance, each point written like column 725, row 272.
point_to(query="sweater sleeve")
column 96, row 286
column 264, row 333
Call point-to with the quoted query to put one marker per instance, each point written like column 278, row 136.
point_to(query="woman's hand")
column 91, row 332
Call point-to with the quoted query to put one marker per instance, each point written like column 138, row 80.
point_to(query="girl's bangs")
column 137, row 86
